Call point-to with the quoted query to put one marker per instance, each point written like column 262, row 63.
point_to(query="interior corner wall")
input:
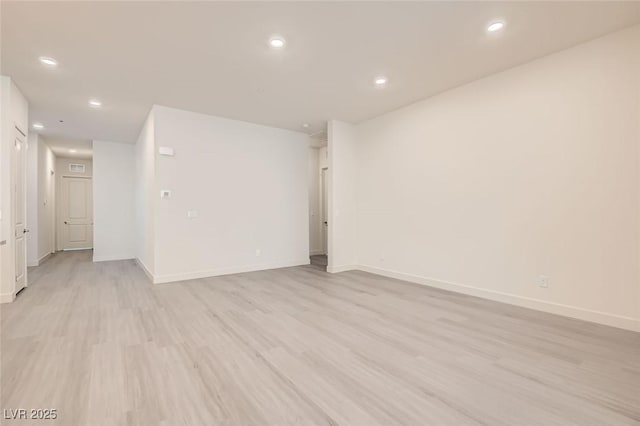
column 245, row 186
column 531, row 172
column 14, row 111
column 113, row 201
column 40, row 200
column 46, row 200
column 342, row 196
column 145, row 191
column 32, row 199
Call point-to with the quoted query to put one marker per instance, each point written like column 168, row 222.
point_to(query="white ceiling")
column 215, row 58
column 61, row 146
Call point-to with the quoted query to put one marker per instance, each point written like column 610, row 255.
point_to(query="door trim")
column 324, row 210
column 61, row 229
column 19, row 224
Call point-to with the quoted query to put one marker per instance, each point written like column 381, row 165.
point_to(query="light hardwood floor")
column 299, row 346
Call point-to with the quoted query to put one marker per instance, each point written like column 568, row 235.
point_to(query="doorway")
column 320, row 259
column 325, row 210
column 76, row 213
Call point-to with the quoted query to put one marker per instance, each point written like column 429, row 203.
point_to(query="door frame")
column 59, row 216
column 21, row 137
column 324, row 209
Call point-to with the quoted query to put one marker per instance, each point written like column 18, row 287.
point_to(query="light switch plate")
column 192, row 214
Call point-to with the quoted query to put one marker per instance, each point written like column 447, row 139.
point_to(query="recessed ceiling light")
column 381, row 81
column 277, row 43
column 50, row 62
column 38, row 126
column 73, row 151
column 305, row 125
column 95, row 103
column 495, row 26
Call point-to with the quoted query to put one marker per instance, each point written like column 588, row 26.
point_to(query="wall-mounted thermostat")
column 165, row 150
column 165, row 193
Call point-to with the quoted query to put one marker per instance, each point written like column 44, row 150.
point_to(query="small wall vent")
column 76, row 168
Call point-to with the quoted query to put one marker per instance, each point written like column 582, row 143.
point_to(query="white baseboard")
column 112, row 257
column 168, row 278
column 37, row 262
column 341, row 268
column 44, row 258
column 7, row 297
column 144, row 269
column 618, row 321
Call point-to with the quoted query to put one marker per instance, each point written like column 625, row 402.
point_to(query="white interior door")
column 325, row 211
column 19, row 199
column 77, row 213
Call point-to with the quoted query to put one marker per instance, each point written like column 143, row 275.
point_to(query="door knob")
column 25, row 230
column 65, row 222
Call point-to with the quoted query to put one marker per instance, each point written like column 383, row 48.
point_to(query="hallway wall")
column 113, row 201
column 40, row 200
column 14, row 112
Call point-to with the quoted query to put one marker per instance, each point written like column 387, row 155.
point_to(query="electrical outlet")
column 543, row 281
column 258, row 252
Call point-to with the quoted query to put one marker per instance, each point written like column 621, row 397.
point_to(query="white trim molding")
column 144, row 268
column 113, row 257
column 38, row 262
column 168, row 278
column 7, row 297
column 342, row 268
column 605, row 318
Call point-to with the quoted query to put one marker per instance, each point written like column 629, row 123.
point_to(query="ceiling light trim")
column 48, row 61
column 277, row 42
column 381, row 81
column 496, row 26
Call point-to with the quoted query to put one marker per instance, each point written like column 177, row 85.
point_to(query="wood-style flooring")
column 319, row 261
column 297, row 346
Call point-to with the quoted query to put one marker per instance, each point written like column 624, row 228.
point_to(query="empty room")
column 319, row 213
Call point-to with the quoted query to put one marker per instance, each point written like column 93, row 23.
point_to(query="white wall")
column 342, row 147
column 248, row 184
column 146, row 194
column 32, row 199
column 533, row 171
column 13, row 113
column 114, row 234
column 47, row 200
column 40, row 200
